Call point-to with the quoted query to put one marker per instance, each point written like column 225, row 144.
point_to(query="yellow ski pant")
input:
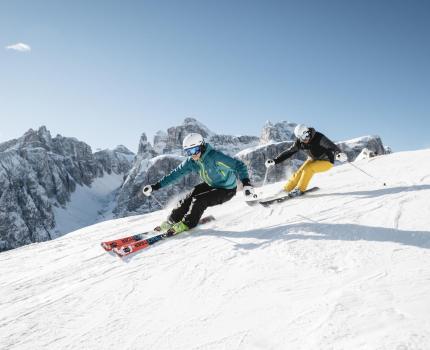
column 303, row 175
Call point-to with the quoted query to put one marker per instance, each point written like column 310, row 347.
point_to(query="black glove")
column 156, row 186
column 246, row 182
column 248, row 189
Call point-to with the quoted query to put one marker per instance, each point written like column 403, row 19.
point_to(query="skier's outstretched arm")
column 287, row 153
column 183, row 169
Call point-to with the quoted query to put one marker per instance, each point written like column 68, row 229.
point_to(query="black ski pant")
column 191, row 208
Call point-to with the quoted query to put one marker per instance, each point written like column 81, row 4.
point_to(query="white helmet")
column 302, row 132
column 192, row 140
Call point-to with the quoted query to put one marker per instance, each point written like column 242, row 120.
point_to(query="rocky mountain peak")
column 37, row 138
column 145, row 149
column 193, row 125
column 122, row 149
column 278, row 132
column 160, row 141
column 172, row 141
column 39, row 173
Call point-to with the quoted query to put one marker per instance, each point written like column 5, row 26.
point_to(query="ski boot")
column 295, row 193
column 164, row 226
column 177, row 228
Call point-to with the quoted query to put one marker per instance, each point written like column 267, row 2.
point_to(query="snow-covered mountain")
column 116, row 161
column 39, row 175
column 347, row 267
column 373, row 145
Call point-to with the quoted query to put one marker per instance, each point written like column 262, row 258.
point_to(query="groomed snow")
column 347, row 267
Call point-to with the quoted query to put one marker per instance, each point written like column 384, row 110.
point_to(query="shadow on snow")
column 376, row 193
column 324, row 231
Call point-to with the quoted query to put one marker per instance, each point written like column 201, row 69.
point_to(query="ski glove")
column 269, row 163
column 248, row 189
column 246, row 182
column 341, row 157
column 147, row 190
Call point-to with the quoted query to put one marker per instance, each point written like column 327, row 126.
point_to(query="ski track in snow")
column 346, row 267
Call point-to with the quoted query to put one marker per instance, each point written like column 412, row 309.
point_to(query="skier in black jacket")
column 321, row 155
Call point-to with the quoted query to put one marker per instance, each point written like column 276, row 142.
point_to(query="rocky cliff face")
column 355, row 146
column 282, row 131
column 232, row 144
column 25, row 209
column 117, row 161
column 38, row 172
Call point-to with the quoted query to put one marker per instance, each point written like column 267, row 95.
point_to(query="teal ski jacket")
column 214, row 167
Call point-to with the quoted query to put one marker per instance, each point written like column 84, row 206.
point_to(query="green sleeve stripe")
column 223, row 164
column 204, row 173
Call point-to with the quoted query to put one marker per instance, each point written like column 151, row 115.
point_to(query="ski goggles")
column 193, row 150
column 306, row 136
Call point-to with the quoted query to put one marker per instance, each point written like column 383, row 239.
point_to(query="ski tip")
column 106, row 246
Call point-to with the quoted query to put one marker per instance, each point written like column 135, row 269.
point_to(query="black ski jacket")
column 318, row 148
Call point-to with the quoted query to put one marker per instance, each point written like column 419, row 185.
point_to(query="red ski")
column 108, row 246
column 133, row 247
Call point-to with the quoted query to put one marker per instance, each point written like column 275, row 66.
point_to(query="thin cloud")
column 19, row 47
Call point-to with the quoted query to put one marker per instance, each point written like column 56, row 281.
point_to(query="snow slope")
column 347, row 267
column 88, row 204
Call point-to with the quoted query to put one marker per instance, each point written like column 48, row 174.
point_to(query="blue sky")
column 106, row 71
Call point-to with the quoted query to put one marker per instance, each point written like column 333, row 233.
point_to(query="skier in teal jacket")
column 218, row 172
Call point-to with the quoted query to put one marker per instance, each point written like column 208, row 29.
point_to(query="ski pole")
column 158, row 202
column 373, row 177
column 265, row 177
